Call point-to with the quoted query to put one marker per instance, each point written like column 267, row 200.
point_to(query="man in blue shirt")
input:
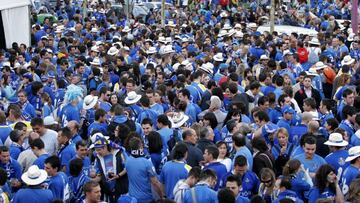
column 141, row 173
column 349, row 113
column 338, row 156
column 28, row 110
column 82, row 153
column 239, row 143
column 210, row 157
column 11, row 166
column 352, row 171
column 38, row 148
column 67, row 149
column 74, row 127
column 99, row 124
column 288, row 113
column 203, row 191
column 175, row 170
column 249, row 181
column 310, row 160
column 77, row 179
column 58, row 182
column 234, row 184
column 17, row 138
column 192, row 110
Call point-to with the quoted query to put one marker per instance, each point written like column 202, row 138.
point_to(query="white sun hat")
column 132, row 98
column 227, row 27
column 34, row 176
column 354, row 152
column 113, row 51
column 207, row 67
column 264, row 57
column 178, row 120
column 314, row 41
column 336, row 139
column 152, row 50
column 126, row 29
column 49, row 120
column 95, row 62
column 319, row 65
column 222, row 33
column 218, row 57
column 347, row 60
column 90, row 101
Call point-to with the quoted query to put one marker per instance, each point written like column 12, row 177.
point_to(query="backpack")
column 303, row 55
column 313, row 56
column 173, row 140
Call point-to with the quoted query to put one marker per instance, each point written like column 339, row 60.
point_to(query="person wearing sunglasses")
column 266, row 188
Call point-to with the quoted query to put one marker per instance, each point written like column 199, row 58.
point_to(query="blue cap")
column 287, row 109
column 223, row 66
column 51, row 74
column 28, row 76
column 44, row 78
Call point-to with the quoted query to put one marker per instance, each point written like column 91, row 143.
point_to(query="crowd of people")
column 101, row 108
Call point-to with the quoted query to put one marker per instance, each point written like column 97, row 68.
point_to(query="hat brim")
column 30, row 181
column 314, row 43
column 95, row 64
column 310, row 73
column 340, row 144
column 113, row 54
column 350, row 158
column 133, row 101
column 180, row 123
column 91, row 105
column 348, row 63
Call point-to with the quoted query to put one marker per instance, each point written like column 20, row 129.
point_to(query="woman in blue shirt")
column 299, row 177
column 327, row 185
column 155, row 146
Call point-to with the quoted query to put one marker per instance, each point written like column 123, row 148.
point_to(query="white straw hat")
column 132, row 98
column 34, row 176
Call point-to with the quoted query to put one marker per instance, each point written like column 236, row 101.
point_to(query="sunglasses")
column 268, row 181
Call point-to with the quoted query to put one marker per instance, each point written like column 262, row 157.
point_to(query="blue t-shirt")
column 40, row 161
column 69, row 113
column 59, row 186
column 315, row 194
column 171, row 173
column 312, row 164
column 102, row 127
column 203, row 193
column 12, row 168
column 348, row 176
column 337, row 161
column 76, row 186
column 33, row 196
column 4, row 132
column 139, row 171
column 15, row 150
column 250, row 183
column 66, row 154
column 165, row 134
column 220, row 170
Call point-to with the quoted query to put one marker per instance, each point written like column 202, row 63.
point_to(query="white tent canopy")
column 16, row 21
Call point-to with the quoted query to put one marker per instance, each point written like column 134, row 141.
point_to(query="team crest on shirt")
column 247, row 180
column 341, row 161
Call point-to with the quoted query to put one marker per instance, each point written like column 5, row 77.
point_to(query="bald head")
column 306, row 117
column 73, row 126
column 313, row 126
